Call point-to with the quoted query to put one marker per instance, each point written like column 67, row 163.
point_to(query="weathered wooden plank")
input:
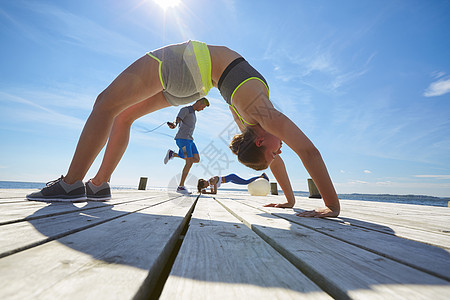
column 16, row 212
column 115, row 260
column 342, row 269
column 221, row 258
column 19, row 236
column 420, row 223
column 15, row 193
column 379, row 220
column 430, row 259
column 441, row 240
column 428, row 218
column 19, row 194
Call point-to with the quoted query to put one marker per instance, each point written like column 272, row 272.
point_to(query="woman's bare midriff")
column 221, row 57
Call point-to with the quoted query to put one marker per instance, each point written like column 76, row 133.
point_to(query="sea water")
column 405, row 199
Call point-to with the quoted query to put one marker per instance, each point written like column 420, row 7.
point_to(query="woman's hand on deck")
column 320, row 213
column 280, row 205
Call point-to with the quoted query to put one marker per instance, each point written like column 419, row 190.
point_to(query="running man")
column 184, row 139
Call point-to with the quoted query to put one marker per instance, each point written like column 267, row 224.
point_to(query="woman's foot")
column 58, row 190
column 98, row 192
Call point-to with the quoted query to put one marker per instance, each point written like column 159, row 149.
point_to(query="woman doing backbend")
column 180, row 74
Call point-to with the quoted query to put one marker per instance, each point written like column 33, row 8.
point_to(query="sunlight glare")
column 165, row 4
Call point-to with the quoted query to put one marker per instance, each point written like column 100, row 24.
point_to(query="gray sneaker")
column 169, row 156
column 183, row 190
column 98, row 193
column 59, row 191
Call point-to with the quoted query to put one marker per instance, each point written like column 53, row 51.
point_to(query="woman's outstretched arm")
column 282, row 127
column 279, row 171
column 213, row 191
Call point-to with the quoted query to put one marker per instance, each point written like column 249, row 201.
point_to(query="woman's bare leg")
column 138, row 82
column 120, row 133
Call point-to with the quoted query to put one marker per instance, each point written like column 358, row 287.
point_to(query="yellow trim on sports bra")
column 231, row 98
column 159, row 70
column 204, row 64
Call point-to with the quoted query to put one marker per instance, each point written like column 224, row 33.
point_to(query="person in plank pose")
column 176, row 75
column 216, row 181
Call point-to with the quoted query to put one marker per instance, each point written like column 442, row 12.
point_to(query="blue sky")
column 367, row 81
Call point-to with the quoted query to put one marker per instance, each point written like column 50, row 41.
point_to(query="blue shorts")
column 189, row 147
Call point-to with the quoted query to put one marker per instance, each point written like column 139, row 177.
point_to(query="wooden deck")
column 150, row 244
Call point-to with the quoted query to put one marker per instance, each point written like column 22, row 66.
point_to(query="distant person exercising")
column 185, row 142
column 180, row 74
column 216, row 181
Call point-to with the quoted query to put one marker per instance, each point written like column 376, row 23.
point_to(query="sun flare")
column 166, row 4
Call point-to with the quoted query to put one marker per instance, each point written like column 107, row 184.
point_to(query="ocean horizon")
column 405, row 199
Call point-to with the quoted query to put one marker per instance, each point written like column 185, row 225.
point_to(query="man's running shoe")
column 169, row 156
column 59, row 191
column 98, row 193
column 183, row 190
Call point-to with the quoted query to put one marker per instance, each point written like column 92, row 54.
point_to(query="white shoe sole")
column 78, row 199
column 99, row 199
column 184, row 192
column 166, row 159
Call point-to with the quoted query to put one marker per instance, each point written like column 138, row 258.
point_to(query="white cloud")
column 66, row 97
column 367, row 172
column 352, row 75
column 316, row 66
column 444, row 177
column 320, row 62
column 437, row 74
column 383, row 183
column 357, row 182
column 33, row 112
column 438, row 88
column 79, row 31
